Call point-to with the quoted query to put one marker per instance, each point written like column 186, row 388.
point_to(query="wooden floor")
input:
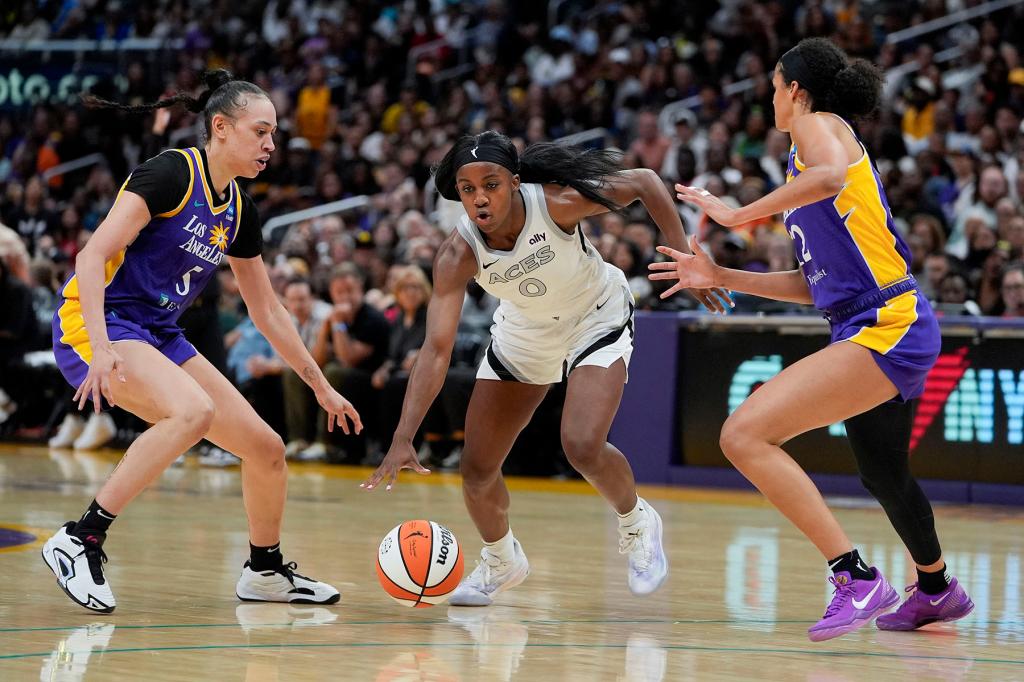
column 742, row 591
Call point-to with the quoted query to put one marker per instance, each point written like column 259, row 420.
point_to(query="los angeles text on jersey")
column 541, row 256
column 211, row 253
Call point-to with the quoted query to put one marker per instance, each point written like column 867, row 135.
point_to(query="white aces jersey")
column 548, row 274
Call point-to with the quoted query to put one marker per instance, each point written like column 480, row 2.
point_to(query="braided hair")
column 223, row 95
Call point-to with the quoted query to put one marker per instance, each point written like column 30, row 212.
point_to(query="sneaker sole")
column 108, row 609
column 928, row 621
column 831, row 633
column 333, row 599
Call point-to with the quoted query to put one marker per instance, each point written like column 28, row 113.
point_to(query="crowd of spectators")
column 370, row 94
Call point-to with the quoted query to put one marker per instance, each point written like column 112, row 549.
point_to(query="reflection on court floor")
column 743, row 588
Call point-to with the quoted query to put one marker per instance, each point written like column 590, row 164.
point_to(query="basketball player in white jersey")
column 565, row 314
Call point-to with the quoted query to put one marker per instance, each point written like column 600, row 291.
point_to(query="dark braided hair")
column 223, row 95
column 585, row 171
column 850, row 88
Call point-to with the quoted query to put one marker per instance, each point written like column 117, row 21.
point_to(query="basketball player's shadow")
column 500, row 643
column 69, row 660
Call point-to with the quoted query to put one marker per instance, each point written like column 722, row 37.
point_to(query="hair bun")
column 212, row 79
column 855, row 91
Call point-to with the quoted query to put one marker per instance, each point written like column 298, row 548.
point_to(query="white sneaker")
column 648, row 566
column 70, row 658
column 283, row 585
column 70, row 429
column 317, row 452
column 99, row 431
column 491, row 577
column 78, row 566
column 215, row 457
column 294, row 447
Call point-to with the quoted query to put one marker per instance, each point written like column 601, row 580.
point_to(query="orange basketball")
column 419, row 563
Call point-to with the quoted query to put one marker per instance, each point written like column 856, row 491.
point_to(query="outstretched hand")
column 401, row 455
column 691, row 270
column 339, row 409
column 715, row 208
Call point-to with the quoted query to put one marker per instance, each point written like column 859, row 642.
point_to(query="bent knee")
column 582, row 450
column 196, row 415
column 264, row 448
column 740, row 436
column 476, row 473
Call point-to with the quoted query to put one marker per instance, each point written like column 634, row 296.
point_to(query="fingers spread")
column 662, row 265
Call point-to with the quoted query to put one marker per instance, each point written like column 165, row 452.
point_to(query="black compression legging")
column 881, row 443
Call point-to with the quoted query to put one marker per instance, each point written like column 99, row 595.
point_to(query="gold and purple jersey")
column 847, row 244
column 160, row 273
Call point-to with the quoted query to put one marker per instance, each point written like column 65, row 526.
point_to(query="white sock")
column 503, row 549
column 634, row 515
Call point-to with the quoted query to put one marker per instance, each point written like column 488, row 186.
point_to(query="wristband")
column 339, row 327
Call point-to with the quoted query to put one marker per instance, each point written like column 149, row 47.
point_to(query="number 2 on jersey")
column 803, row 254
column 185, row 285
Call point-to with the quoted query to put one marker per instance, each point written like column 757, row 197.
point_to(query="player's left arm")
column 824, row 176
column 274, row 322
column 567, row 207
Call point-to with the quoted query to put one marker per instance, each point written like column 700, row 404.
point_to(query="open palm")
column 691, row 271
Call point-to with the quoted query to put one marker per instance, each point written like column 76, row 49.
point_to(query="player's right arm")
column 154, row 188
column 698, row 270
column 121, row 226
column 454, row 267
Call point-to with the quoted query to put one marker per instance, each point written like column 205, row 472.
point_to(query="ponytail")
column 585, row 171
column 223, row 95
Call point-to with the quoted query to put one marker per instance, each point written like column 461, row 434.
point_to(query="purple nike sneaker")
column 920, row 609
column 854, row 604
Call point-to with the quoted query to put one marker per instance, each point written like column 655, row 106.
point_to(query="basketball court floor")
column 742, row 591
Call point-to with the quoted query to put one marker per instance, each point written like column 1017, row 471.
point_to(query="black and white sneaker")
column 283, row 585
column 78, row 565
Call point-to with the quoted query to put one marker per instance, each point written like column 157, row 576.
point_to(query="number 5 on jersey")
column 185, row 285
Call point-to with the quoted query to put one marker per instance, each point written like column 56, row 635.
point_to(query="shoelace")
column 95, row 557
column 288, row 571
column 485, row 567
column 842, row 594
column 635, row 541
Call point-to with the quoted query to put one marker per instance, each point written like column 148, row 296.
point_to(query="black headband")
column 491, row 152
column 794, row 68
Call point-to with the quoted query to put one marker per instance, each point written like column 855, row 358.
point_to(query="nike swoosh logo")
column 487, row 265
column 862, row 603
column 601, row 305
column 939, row 600
column 106, row 516
column 197, row 204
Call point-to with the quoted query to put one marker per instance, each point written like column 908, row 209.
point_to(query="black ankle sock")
column 265, row 558
column 94, row 523
column 852, row 564
column 932, row 583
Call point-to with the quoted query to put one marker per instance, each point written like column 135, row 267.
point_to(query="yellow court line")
column 541, row 485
